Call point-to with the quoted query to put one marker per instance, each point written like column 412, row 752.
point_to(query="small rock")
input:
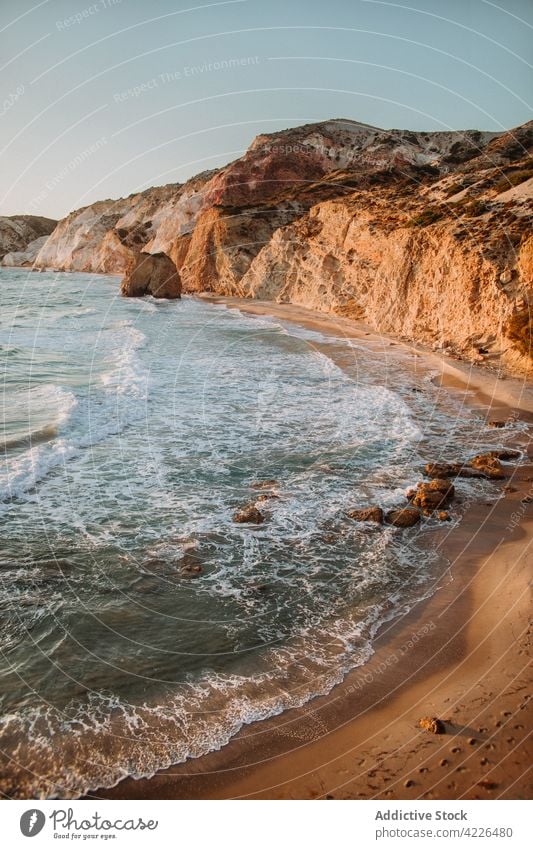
column 409, row 783
column 489, row 465
column 505, row 454
column 267, row 484
column 249, row 515
column 403, row 518
column 432, row 724
column 496, row 423
column 191, row 571
column 444, row 516
column 367, row 514
column 451, row 470
column 436, row 493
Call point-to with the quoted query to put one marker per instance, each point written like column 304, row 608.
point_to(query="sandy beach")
column 460, row 655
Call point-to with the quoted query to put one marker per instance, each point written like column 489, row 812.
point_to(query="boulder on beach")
column 367, row 514
column 481, row 466
column 153, row 274
column 489, row 465
column 432, row 724
column 430, row 496
column 505, row 454
column 405, row 517
column 451, row 470
column 441, row 470
column 249, row 515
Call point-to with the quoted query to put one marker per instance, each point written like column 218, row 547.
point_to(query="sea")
column 140, row 625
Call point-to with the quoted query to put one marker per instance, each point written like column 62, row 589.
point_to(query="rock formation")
column 432, row 724
column 429, row 496
column 249, row 515
column 423, row 235
column 18, row 232
column 152, row 274
column 404, row 517
column 25, row 258
column 367, row 514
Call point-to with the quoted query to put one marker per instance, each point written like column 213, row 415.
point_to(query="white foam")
column 217, row 399
column 95, row 417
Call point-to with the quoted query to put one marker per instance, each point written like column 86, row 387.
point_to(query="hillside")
column 17, row 232
column 425, row 235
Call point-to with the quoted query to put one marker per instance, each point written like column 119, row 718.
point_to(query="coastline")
column 460, row 654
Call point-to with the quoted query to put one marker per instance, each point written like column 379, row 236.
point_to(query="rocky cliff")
column 17, row 232
column 425, row 235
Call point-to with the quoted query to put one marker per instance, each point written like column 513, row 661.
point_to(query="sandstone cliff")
column 153, row 274
column 425, row 235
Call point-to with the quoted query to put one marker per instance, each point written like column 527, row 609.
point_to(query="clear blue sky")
column 103, row 98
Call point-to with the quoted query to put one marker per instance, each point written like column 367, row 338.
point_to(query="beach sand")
column 461, row 655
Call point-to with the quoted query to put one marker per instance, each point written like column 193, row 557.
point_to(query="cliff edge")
column 425, row 235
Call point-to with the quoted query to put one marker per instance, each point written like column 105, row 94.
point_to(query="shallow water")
column 131, row 432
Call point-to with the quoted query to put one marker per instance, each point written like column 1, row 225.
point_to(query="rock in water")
column 153, row 274
column 436, row 493
column 266, row 484
column 405, row 518
column 489, row 465
column 249, row 515
column 368, row 514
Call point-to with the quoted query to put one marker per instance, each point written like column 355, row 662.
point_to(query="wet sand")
column 461, row 655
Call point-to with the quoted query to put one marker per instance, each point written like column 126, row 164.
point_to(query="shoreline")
column 460, row 655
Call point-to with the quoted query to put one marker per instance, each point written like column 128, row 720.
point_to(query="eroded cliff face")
column 106, row 236
column 278, row 178
column 420, row 283
column 425, row 235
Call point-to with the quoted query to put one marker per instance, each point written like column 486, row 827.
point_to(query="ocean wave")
column 218, row 399
column 100, row 741
column 114, row 399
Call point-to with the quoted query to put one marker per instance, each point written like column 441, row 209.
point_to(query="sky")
column 102, row 99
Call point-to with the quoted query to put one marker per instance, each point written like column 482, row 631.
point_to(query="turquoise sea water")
column 131, row 432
